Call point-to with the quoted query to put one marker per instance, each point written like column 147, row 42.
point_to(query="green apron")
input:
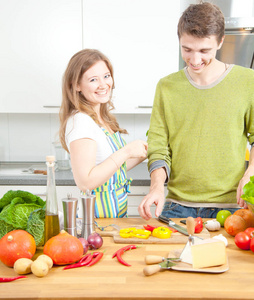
column 111, row 197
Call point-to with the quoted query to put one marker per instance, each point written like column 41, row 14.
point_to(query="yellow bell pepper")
column 142, row 233
column 162, row 232
column 134, row 232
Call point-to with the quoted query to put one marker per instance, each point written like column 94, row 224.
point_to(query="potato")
column 47, row 260
column 23, row 266
column 39, row 268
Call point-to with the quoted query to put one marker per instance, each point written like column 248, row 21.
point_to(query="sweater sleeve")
column 249, row 118
column 158, row 146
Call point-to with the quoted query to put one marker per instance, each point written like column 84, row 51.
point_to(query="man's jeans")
column 173, row 210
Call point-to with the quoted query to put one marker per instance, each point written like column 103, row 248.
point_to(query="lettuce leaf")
column 248, row 191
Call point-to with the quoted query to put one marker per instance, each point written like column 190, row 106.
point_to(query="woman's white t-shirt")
column 80, row 126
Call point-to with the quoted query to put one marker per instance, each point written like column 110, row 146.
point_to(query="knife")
column 152, row 269
column 173, row 225
column 155, row 259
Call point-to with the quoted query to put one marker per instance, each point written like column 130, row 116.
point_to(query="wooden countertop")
column 111, row 280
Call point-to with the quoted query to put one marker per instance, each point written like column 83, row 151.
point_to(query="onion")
column 85, row 245
column 95, row 241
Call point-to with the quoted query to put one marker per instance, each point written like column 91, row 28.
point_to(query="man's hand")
column 156, row 195
column 246, row 178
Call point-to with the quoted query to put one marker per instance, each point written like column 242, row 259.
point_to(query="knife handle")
column 153, row 259
column 152, row 269
column 190, row 223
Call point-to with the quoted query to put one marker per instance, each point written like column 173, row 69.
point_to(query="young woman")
column 99, row 155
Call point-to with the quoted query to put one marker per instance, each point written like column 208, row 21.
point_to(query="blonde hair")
column 73, row 101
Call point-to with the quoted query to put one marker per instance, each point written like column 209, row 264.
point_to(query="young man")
column 201, row 121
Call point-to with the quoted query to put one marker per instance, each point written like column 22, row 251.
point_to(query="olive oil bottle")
column 52, row 227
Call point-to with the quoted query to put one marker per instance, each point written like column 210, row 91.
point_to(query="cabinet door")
column 140, row 39
column 37, row 40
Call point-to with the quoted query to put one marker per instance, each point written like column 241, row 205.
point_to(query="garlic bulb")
column 222, row 238
column 212, row 225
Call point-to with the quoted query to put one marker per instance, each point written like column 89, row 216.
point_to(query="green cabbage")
column 26, row 196
column 16, row 209
column 35, row 225
column 248, row 191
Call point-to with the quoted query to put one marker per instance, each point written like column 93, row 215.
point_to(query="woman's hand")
column 136, row 149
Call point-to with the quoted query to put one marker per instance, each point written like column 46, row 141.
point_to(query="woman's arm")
column 133, row 162
column 87, row 174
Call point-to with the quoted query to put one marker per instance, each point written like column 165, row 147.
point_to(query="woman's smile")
column 96, row 84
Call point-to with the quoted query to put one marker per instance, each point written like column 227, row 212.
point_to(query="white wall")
column 29, row 137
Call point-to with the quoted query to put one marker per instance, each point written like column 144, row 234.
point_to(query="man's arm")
column 246, row 178
column 155, row 195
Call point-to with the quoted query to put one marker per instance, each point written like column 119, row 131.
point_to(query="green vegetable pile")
column 22, row 210
column 248, row 191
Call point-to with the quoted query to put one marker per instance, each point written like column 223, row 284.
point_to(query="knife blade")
column 155, row 259
column 173, row 225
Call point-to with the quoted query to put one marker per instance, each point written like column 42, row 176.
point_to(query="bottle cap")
column 50, row 158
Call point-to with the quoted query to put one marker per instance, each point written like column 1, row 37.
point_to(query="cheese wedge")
column 208, row 254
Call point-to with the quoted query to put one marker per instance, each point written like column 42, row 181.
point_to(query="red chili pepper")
column 84, row 261
column 96, row 257
column 85, row 257
column 124, row 248
column 119, row 253
column 8, row 279
column 198, row 225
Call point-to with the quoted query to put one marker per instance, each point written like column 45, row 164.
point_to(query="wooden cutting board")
column 176, row 237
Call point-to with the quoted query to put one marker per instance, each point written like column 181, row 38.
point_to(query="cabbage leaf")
column 35, row 225
column 19, row 205
column 248, row 191
column 26, row 196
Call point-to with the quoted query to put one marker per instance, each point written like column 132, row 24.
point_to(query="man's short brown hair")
column 202, row 20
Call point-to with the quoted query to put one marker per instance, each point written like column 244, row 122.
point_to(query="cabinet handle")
column 41, row 195
column 51, row 106
column 145, row 106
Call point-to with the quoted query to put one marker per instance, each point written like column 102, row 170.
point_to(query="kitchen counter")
column 109, row 279
column 17, row 173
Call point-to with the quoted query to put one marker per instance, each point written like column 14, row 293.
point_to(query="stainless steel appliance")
column 238, row 46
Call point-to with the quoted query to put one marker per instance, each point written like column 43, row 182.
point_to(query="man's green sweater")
column 201, row 133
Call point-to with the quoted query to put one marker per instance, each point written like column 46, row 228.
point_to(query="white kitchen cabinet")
column 140, row 39
column 134, row 199
column 37, row 40
column 136, row 196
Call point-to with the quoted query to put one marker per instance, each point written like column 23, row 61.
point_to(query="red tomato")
column 252, row 244
column 198, row 225
column 249, row 231
column 243, row 240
